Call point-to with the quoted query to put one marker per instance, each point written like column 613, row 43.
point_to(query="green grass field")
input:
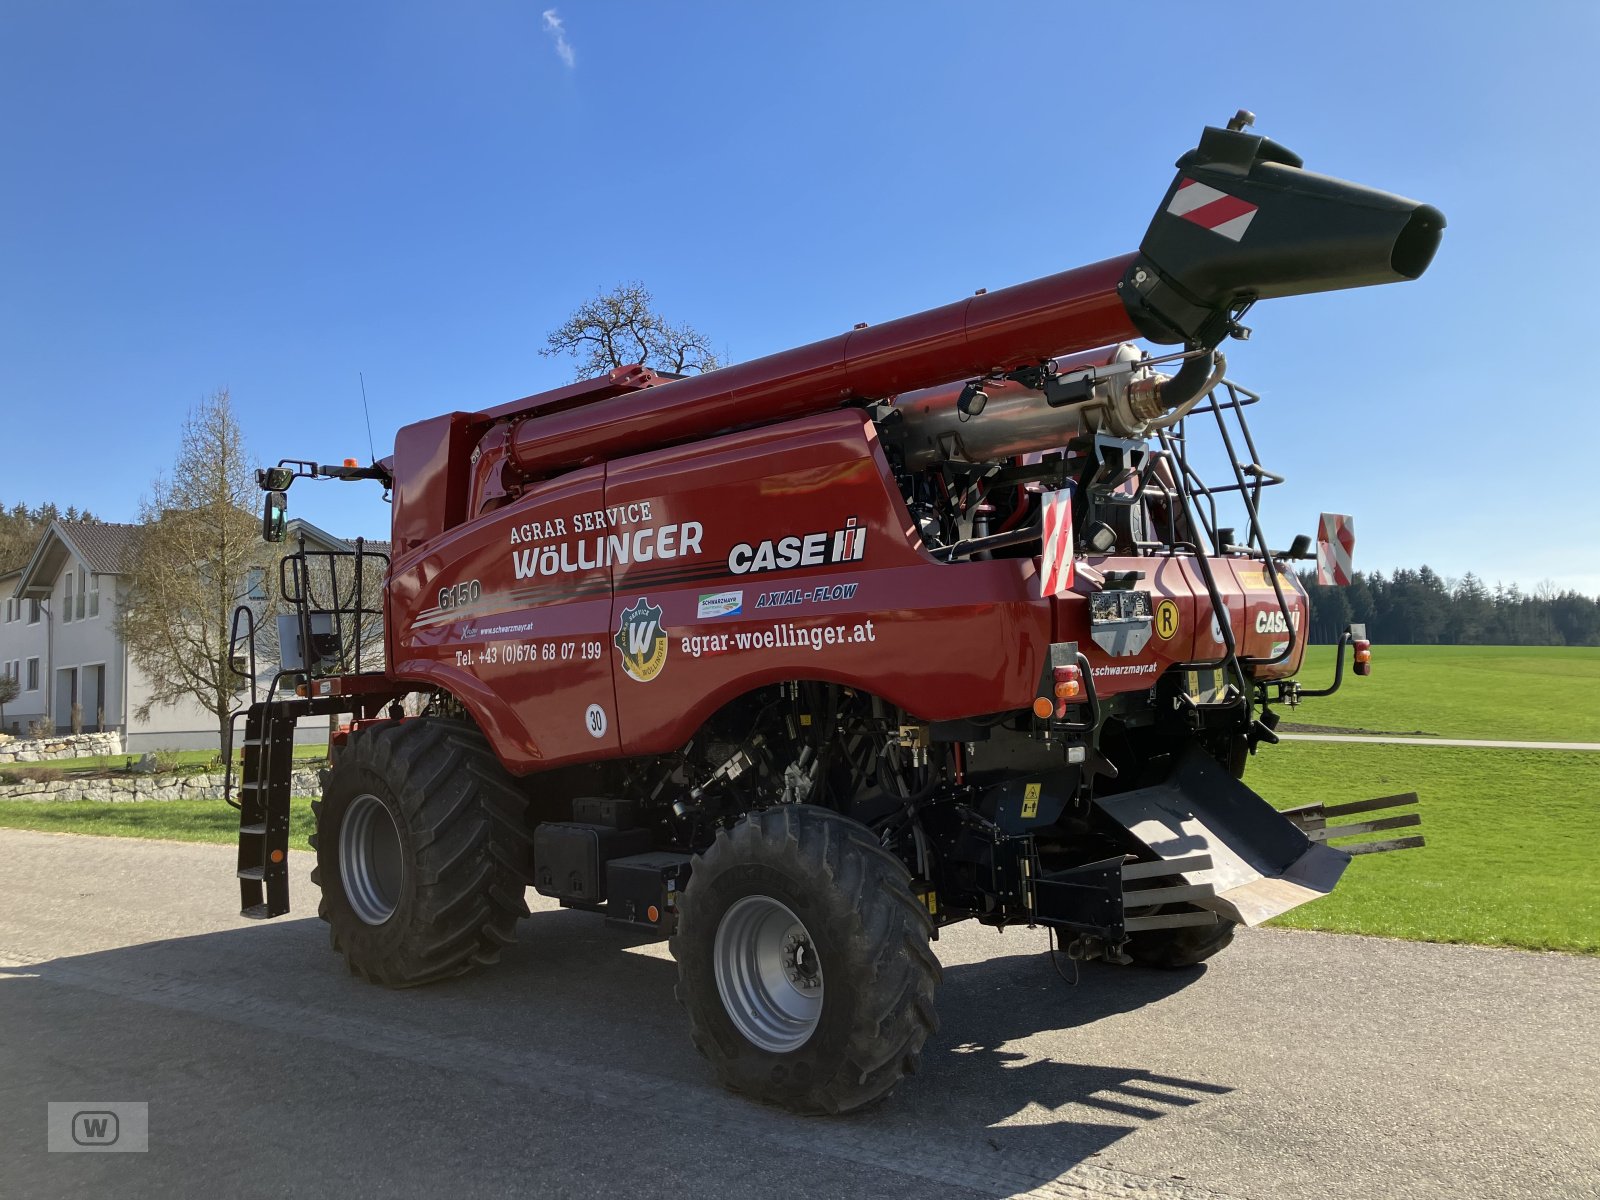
column 1516, row 693
column 174, row 820
column 1510, row 853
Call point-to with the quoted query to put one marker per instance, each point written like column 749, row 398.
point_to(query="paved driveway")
column 1297, row 1065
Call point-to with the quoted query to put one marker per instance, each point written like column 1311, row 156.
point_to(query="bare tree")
column 191, row 565
column 621, row 327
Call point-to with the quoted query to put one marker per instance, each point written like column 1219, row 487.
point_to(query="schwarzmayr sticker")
column 720, row 604
column 642, row 641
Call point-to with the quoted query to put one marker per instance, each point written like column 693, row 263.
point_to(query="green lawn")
column 175, row 820
column 1511, row 837
column 1519, row 693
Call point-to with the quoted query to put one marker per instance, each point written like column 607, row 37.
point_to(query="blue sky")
column 272, row 198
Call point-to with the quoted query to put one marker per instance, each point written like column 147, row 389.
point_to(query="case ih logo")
column 642, row 641
column 807, row 550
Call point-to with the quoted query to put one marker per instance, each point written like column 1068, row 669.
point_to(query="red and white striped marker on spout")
column 1055, row 561
column 1336, row 546
column 1213, row 209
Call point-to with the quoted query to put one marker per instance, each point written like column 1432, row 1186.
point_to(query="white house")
column 24, row 654
column 59, row 639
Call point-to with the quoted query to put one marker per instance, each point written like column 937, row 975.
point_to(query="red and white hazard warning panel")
column 1213, row 209
column 1336, row 544
column 1055, row 563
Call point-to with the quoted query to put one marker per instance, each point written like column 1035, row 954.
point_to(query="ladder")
column 264, row 809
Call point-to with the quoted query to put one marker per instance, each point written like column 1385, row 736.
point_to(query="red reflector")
column 1043, row 707
column 653, row 913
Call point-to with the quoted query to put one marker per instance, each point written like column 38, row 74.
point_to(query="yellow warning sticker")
column 1030, row 800
column 1167, row 620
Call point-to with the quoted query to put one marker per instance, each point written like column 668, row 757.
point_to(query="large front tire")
column 803, row 962
column 421, row 850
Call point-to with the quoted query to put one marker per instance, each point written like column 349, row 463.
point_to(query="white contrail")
column 554, row 27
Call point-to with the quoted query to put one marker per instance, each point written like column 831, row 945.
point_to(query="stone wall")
column 144, row 787
column 79, row 745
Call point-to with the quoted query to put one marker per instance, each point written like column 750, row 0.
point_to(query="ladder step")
column 257, row 830
column 256, row 873
column 256, row 912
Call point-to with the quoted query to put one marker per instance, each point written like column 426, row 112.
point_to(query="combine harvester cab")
column 968, row 615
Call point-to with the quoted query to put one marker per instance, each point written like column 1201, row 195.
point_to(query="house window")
column 83, row 592
column 255, row 584
column 33, row 612
column 33, row 675
column 66, row 599
column 94, row 595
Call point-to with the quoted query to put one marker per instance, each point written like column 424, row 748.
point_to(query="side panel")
column 1185, row 628
column 432, row 470
column 805, row 566
column 510, row 613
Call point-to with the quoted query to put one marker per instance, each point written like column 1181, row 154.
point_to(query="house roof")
column 316, row 534
column 101, row 547
column 104, row 549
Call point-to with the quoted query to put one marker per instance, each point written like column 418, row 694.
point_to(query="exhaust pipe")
column 1244, row 221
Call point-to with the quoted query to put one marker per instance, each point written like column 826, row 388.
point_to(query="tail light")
column 1069, row 682
column 1363, row 657
column 1067, row 686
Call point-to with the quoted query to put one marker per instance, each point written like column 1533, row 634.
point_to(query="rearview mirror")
column 275, row 479
column 275, row 517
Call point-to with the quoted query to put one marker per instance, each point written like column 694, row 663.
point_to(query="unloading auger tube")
column 1241, row 221
column 796, row 662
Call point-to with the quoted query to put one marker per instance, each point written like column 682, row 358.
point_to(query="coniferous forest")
column 1421, row 608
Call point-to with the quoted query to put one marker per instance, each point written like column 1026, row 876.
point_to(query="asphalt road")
column 1296, row 1065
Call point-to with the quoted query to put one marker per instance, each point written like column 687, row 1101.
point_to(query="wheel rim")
column 371, row 861
column 768, row 974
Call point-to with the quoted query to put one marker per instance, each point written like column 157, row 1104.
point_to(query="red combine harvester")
column 799, row 661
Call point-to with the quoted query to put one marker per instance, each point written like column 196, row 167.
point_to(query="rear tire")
column 421, row 852
column 1181, row 947
column 803, row 962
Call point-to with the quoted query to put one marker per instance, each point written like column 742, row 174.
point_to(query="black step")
column 263, row 867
